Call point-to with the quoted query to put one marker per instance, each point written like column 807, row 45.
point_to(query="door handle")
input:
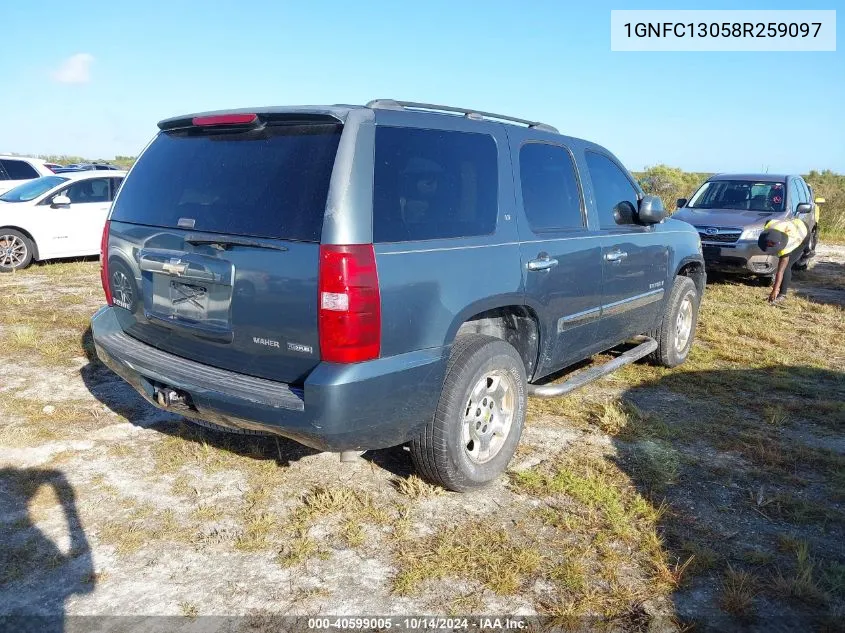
column 543, row 262
column 615, row 256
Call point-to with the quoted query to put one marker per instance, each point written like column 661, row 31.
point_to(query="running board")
column 646, row 345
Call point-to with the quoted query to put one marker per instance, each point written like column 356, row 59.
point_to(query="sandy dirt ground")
column 109, row 506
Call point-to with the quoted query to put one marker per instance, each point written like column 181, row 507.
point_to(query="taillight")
column 350, row 303
column 104, row 263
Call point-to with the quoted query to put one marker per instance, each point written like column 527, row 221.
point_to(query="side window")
column 3, row 174
column 794, row 194
column 18, row 169
column 550, row 194
column 115, row 185
column 803, row 190
column 431, row 184
column 90, row 190
column 610, row 187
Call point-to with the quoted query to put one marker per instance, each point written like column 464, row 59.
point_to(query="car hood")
column 724, row 218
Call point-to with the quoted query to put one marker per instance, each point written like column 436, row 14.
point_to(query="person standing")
column 788, row 239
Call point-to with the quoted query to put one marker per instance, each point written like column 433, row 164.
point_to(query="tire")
column 123, row 286
column 804, row 262
column 672, row 350
column 16, row 250
column 483, row 373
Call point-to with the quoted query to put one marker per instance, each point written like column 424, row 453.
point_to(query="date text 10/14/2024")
column 417, row 623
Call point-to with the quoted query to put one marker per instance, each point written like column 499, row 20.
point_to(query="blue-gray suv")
column 360, row 277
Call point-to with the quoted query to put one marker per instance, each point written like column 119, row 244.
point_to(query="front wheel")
column 479, row 418
column 15, row 250
column 804, row 262
column 676, row 330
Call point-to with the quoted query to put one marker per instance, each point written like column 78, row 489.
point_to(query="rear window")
column 432, row 184
column 270, row 183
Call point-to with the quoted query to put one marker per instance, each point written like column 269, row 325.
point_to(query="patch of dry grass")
column 739, row 588
column 415, row 487
column 342, row 511
column 30, row 422
column 802, row 583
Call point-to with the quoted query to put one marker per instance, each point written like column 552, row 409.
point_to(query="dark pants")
column 794, row 256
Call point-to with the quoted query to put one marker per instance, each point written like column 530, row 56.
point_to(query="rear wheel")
column 676, row 330
column 479, row 418
column 15, row 250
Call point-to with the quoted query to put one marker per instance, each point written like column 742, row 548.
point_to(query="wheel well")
column 695, row 271
column 28, row 235
column 516, row 325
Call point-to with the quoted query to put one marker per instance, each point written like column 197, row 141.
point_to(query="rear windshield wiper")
column 224, row 241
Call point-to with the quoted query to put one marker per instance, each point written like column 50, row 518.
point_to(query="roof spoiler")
column 244, row 119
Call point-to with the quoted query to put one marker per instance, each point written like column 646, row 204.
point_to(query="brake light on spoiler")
column 224, row 119
column 350, row 303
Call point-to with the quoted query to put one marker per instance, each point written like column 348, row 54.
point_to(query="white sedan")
column 16, row 170
column 55, row 216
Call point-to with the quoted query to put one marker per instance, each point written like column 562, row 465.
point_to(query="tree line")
column 671, row 183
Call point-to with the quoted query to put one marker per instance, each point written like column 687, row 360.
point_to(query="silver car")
column 730, row 210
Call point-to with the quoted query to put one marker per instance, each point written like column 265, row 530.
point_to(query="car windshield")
column 32, row 189
column 743, row 195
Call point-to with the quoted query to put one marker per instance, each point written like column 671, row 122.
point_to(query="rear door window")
column 3, row 174
column 89, row 190
column 267, row 183
column 431, row 184
column 550, row 193
column 610, row 187
column 18, row 169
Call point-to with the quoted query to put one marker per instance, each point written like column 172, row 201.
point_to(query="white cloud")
column 76, row 69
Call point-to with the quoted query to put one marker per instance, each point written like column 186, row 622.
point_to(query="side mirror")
column 819, row 200
column 681, row 203
column 651, row 210
column 624, row 213
column 803, row 208
column 60, row 201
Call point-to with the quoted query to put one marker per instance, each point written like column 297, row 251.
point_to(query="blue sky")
column 94, row 78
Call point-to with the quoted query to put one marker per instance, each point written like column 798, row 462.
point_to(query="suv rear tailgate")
column 214, row 244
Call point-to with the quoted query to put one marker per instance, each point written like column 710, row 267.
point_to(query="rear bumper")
column 375, row 404
column 741, row 257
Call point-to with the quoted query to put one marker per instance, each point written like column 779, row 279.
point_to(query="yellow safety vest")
column 794, row 229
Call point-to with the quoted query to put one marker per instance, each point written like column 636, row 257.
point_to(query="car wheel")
column 124, row 289
column 804, row 262
column 676, row 330
column 15, row 250
column 476, row 428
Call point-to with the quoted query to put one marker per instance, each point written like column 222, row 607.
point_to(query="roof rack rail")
column 392, row 104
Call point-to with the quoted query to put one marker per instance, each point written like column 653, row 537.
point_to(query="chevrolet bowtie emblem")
column 174, row 267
